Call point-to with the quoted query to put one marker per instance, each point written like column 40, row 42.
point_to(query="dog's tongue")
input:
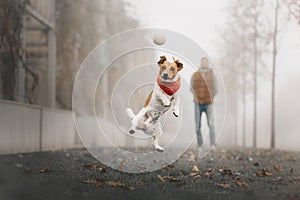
column 169, row 88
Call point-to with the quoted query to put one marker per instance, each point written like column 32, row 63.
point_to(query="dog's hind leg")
column 156, row 139
column 132, row 130
column 130, row 113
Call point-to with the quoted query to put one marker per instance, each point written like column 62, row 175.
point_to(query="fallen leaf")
column 44, row 171
column 277, row 179
column 207, row 173
column 170, row 178
column 268, row 174
column 115, row 183
column 276, row 167
column 195, row 175
column 237, row 173
column 263, row 173
column 211, row 170
column 239, row 158
column 294, row 180
column 102, row 169
column 119, row 184
column 224, row 185
column 192, row 158
column 167, row 178
column 242, row 184
column 141, row 182
column 168, row 167
column 195, row 169
column 90, row 181
column 98, row 181
column 90, row 166
column 161, row 178
column 225, row 171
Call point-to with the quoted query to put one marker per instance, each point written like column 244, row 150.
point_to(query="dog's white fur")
column 151, row 125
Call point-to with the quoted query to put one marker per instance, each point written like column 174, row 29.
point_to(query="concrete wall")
column 28, row 128
column 20, row 128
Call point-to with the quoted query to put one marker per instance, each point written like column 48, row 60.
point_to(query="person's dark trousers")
column 199, row 109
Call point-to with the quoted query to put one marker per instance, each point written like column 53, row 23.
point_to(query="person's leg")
column 198, row 114
column 210, row 123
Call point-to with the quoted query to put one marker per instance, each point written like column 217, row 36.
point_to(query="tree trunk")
column 273, row 76
column 255, row 84
column 244, row 108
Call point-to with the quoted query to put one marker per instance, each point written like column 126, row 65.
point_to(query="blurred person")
column 204, row 86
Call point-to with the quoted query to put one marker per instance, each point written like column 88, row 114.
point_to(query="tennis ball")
column 159, row 39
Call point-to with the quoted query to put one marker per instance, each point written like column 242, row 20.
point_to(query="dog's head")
column 168, row 70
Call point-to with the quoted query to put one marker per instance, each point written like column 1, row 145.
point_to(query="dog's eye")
column 172, row 69
column 163, row 67
column 154, row 114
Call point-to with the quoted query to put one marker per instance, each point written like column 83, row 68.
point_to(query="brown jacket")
column 204, row 86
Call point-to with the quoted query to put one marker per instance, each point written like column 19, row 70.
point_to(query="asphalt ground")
column 223, row 174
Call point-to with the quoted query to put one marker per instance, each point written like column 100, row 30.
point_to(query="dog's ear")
column 179, row 65
column 162, row 60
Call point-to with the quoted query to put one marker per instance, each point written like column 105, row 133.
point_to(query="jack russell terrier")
column 159, row 101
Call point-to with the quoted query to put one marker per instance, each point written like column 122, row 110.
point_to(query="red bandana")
column 169, row 88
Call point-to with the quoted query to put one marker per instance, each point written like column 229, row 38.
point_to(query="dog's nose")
column 165, row 75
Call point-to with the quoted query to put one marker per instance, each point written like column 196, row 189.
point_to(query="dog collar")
column 169, row 88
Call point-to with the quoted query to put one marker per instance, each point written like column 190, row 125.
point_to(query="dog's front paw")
column 166, row 102
column 175, row 114
column 160, row 149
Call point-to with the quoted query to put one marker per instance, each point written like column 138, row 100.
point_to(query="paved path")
column 74, row 174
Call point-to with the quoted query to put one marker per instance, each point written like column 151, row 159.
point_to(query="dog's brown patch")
column 148, row 99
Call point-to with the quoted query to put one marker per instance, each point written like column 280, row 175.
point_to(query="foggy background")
column 52, row 38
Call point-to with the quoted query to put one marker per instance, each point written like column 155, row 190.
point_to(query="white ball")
column 159, row 39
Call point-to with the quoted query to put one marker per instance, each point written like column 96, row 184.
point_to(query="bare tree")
column 254, row 13
column 235, row 58
column 294, row 8
column 246, row 41
column 11, row 46
column 274, row 55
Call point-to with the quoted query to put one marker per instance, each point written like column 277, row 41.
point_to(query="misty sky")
column 203, row 21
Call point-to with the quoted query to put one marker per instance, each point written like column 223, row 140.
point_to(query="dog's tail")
column 130, row 113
